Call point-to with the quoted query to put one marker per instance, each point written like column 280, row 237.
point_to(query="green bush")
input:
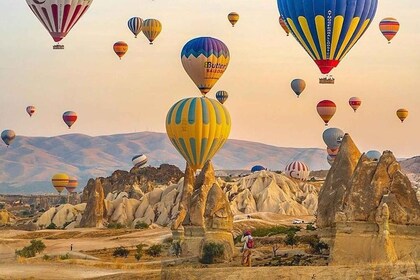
column 315, row 243
column 141, row 225
column 139, row 251
column 310, row 226
column 51, row 226
column 115, row 226
column 211, row 251
column 65, row 257
column 37, row 246
column 262, row 232
column 154, row 250
column 46, row 258
column 291, row 239
column 121, row 252
column 176, row 248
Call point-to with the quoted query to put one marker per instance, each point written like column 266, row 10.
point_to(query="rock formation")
column 370, row 205
column 64, row 216
column 94, row 214
column 6, row 218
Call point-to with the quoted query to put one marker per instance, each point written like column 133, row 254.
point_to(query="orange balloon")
column 120, row 48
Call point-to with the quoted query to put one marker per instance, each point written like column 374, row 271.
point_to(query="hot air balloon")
column 59, row 16
column 332, row 152
column 389, row 27
column 60, row 181
column 30, row 110
column 327, row 30
column 284, row 26
column 135, row 24
column 233, row 18
column 257, row 168
column 402, row 114
column 139, row 160
column 222, row 96
column 373, row 155
column 332, row 137
column 298, row 85
column 297, row 170
column 198, row 127
column 355, row 103
column 8, row 136
column 69, row 118
column 72, row 184
column 326, row 110
column 205, row 59
column 151, row 29
column 120, row 48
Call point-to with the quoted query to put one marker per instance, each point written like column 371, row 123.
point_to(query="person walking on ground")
column 246, row 250
column 71, row 247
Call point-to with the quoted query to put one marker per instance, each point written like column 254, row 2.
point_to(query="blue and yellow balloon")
column 198, row 127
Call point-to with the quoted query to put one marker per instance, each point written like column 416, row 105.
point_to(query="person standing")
column 246, row 250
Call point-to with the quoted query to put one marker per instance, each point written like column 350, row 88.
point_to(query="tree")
column 291, row 239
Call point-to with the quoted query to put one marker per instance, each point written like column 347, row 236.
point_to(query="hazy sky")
column 134, row 94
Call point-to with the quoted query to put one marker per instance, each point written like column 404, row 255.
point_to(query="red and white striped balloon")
column 297, row 170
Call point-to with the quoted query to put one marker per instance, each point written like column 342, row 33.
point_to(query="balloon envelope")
column 8, row 136
column 297, row 170
column 373, row 155
column 139, row 160
column 30, row 110
column 135, row 24
column 389, row 27
column 233, row 18
column 205, row 59
column 327, row 29
column 257, row 168
column 59, row 16
column 151, row 29
column 284, row 26
column 222, row 96
column 326, row 110
column 402, row 114
column 298, row 86
column 120, row 48
column 60, row 181
column 72, row 184
column 198, row 127
column 69, row 118
column 355, row 103
column 332, row 137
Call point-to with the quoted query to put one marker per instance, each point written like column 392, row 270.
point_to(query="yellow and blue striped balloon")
column 327, row 29
column 198, row 127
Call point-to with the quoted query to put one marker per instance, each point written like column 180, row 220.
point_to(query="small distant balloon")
column 222, row 96
column 72, row 185
column 139, row 160
column 402, row 114
column 326, row 110
column 233, row 18
column 8, row 136
column 389, row 27
column 355, row 103
column 60, row 181
column 373, row 155
column 298, row 86
column 69, row 118
column 257, row 168
column 30, row 110
column 332, row 137
column 120, row 48
column 135, row 24
column 151, row 29
column 297, row 170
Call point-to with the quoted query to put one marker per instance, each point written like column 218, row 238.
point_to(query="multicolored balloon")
column 198, row 127
column 69, row 118
column 284, row 26
column 139, row 160
column 72, row 184
column 332, row 152
column 59, row 16
column 135, row 24
column 151, row 29
column 297, row 170
column 389, row 27
column 60, row 181
column 8, row 136
column 30, row 110
column 373, row 155
column 326, row 110
column 402, row 114
column 233, row 18
column 120, row 48
column 222, row 96
column 326, row 29
column 332, row 137
column 298, row 86
column 355, row 103
column 205, row 59
column 258, row 168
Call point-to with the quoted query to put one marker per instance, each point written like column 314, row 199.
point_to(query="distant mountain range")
column 28, row 164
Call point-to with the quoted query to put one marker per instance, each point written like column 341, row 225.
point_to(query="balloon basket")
column 327, row 80
column 58, row 47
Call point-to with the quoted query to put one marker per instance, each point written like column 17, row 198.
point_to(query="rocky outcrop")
column 94, row 214
column 137, row 182
column 62, row 216
column 6, row 218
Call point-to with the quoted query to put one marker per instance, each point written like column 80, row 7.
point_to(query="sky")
column 135, row 94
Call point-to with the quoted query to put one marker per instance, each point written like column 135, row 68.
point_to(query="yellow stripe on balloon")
column 305, row 28
column 320, row 30
column 356, row 38
column 338, row 26
column 352, row 28
column 299, row 37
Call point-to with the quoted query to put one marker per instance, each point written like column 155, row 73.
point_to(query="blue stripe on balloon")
column 217, row 106
column 206, row 46
column 193, row 150
column 184, row 149
column 203, row 148
column 191, row 111
column 179, row 111
column 348, row 18
column 205, row 112
column 169, row 116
